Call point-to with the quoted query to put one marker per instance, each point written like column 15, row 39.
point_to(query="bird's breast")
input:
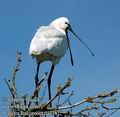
column 58, row 46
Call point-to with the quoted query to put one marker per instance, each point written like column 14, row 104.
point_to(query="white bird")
column 50, row 43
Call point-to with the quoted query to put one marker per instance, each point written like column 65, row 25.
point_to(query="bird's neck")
column 58, row 28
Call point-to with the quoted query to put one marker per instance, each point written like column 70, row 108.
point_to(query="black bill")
column 72, row 62
column 69, row 28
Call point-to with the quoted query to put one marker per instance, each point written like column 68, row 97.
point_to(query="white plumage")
column 50, row 42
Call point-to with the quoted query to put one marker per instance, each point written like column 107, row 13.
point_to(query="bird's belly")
column 44, row 57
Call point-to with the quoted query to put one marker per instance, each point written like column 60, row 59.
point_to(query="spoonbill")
column 50, row 43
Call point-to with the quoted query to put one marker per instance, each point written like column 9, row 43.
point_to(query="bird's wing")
column 49, row 32
column 44, row 38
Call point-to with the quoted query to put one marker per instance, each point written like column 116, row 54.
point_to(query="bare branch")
column 16, row 68
column 91, row 106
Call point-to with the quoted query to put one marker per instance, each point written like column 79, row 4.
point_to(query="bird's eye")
column 66, row 23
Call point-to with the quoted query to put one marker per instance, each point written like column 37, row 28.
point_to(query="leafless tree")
column 101, row 105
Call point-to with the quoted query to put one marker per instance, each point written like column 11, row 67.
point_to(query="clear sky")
column 97, row 22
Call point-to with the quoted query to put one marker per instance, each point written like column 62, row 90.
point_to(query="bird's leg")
column 36, row 78
column 36, row 75
column 49, row 83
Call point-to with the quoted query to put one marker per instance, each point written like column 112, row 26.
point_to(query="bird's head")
column 62, row 24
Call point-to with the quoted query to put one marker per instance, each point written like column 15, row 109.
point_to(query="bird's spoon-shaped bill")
column 69, row 28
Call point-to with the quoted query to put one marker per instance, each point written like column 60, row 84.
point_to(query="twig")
column 36, row 91
column 67, row 99
column 42, row 95
column 11, row 90
column 115, row 110
column 58, row 100
column 12, row 86
column 90, row 99
column 72, row 106
column 16, row 68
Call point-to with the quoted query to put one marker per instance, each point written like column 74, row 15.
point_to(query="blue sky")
column 96, row 22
